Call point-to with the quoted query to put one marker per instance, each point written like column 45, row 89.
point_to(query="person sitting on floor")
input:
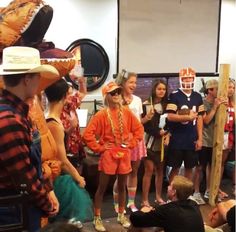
column 222, row 217
column 181, row 214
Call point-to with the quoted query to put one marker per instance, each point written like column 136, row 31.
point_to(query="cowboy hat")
column 24, row 60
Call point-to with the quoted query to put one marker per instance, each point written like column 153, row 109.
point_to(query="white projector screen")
column 162, row 36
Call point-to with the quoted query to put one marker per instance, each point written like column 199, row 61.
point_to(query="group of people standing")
column 162, row 130
column 179, row 140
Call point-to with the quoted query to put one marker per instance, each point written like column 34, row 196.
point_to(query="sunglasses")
column 114, row 92
column 211, row 89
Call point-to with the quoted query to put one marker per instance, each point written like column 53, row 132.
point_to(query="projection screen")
column 162, row 36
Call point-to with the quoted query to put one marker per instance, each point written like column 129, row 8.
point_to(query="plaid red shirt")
column 16, row 169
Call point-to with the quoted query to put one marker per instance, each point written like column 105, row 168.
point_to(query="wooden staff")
column 162, row 148
column 151, row 103
column 218, row 140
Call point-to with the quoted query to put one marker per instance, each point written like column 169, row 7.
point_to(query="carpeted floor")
column 109, row 215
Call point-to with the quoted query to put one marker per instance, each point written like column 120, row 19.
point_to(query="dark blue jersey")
column 184, row 134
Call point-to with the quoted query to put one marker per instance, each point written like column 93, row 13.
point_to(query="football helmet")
column 187, row 73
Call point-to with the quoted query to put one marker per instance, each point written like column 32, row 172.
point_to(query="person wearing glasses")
column 211, row 104
column 112, row 132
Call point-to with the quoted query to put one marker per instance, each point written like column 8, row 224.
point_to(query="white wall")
column 77, row 19
column 93, row 19
column 227, row 53
column 227, row 49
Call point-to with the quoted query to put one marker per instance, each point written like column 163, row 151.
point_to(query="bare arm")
column 217, row 216
column 224, row 207
column 82, row 87
column 198, row 145
column 76, row 75
column 210, row 115
column 148, row 116
column 173, row 117
column 58, row 134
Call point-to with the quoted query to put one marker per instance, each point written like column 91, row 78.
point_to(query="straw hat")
column 20, row 60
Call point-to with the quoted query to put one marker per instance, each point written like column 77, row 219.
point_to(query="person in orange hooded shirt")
column 112, row 132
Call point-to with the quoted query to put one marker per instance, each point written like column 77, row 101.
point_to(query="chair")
column 20, row 200
column 97, row 105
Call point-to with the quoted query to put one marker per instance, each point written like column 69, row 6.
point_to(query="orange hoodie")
column 99, row 130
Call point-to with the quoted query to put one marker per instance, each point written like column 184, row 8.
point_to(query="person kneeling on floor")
column 181, row 214
column 222, row 217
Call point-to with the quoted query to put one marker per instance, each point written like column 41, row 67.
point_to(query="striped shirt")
column 16, row 169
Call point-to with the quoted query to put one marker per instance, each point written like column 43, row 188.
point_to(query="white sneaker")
column 132, row 207
column 206, row 194
column 123, row 220
column 97, row 222
column 198, row 198
column 75, row 222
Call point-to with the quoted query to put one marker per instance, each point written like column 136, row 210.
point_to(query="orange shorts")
column 112, row 166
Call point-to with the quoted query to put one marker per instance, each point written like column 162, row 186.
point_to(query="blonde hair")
column 129, row 74
column 232, row 99
column 183, row 187
column 123, row 76
column 120, row 117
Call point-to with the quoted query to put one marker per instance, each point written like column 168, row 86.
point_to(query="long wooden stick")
column 218, row 139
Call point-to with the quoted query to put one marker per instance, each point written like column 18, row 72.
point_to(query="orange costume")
column 50, row 164
column 105, row 127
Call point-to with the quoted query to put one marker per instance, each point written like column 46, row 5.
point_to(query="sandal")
column 160, row 201
column 223, row 194
column 146, row 204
